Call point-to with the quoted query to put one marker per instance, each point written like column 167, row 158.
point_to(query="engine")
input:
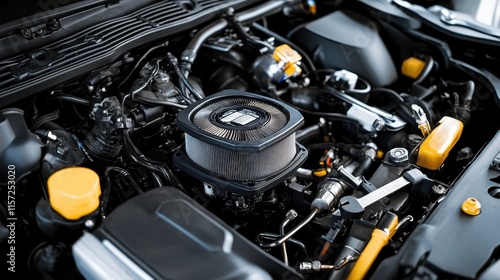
column 274, row 139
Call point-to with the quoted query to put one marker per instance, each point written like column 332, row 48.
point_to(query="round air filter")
column 240, row 136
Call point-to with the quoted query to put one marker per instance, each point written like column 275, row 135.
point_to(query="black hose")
column 332, row 116
column 51, row 126
column 429, row 63
column 107, row 190
column 255, row 43
column 172, row 61
column 391, row 93
column 158, row 167
column 307, row 133
column 469, row 93
column 186, row 83
column 72, row 99
column 266, row 9
column 362, row 167
column 156, row 179
column 189, row 54
column 44, row 119
column 160, row 102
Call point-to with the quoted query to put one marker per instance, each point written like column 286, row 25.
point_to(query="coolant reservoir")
column 438, row 144
column 74, row 192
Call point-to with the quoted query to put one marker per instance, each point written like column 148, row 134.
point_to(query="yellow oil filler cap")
column 412, row 67
column 74, row 192
column 437, row 145
column 471, row 207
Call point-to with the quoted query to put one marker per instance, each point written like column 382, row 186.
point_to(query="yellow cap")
column 286, row 54
column 292, row 69
column 471, row 207
column 74, row 192
column 321, row 172
column 412, row 67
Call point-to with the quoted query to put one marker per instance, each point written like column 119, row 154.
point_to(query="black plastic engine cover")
column 354, row 44
column 170, row 236
column 451, row 244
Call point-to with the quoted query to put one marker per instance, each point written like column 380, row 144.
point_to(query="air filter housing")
column 240, row 142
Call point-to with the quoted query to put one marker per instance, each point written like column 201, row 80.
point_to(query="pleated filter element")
column 239, row 136
column 238, row 165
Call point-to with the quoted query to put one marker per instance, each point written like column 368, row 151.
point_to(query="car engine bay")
column 231, row 139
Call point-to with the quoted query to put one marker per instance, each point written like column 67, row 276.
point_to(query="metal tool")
column 392, row 122
column 352, row 207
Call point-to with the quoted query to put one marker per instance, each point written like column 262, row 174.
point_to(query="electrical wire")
column 107, row 189
column 391, row 93
column 172, row 60
column 165, row 44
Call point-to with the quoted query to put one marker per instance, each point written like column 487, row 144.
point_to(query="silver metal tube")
column 308, row 219
column 283, row 246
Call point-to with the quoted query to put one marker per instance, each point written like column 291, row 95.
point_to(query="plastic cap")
column 286, row 54
column 412, row 67
column 74, row 192
column 471, row 207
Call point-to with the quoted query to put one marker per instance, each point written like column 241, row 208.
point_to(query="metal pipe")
column 290, row 216
column 274, row 236
column 284, row 238
column 283, row 246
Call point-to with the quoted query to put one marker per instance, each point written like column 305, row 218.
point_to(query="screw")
column 385, row 201
column 53, row 25
column 26, row 32
column 378, row 125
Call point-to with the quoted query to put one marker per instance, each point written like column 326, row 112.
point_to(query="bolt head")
column 398, row 156
column 291, row 215
column 89, row 224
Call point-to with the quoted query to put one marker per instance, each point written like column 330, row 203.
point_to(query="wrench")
column 353, row 208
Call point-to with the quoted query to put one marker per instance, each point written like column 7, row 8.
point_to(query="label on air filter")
column 239, row 117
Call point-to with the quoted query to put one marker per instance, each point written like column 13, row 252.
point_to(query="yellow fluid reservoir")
column 412, row 67
column 438, row 144
column 74, row 192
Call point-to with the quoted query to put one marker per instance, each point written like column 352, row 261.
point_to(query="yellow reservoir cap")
column 471, row 207
column 285, row 54
column 412, row 67
column 437, row 145
column 74, row 192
